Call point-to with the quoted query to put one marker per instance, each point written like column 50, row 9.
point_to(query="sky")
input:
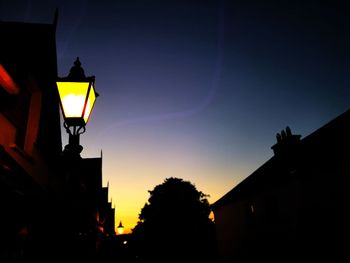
column 196, row 89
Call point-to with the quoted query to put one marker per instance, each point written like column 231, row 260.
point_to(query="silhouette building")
column 106, row 213
column 294, row 206
column 43, row 201
column 30, row 135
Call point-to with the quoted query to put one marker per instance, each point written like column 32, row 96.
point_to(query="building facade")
column 293, row 207
column 49, row 205
column 30, row 136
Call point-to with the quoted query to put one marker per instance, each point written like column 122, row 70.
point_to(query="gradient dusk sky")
column 197, row 89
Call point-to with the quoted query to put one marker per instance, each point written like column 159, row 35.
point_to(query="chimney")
column 286, row 142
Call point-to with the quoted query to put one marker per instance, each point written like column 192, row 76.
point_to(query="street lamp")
column 77, row 98
column 120, row 228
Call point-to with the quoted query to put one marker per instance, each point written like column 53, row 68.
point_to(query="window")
column 20, row 104
column 250, row 214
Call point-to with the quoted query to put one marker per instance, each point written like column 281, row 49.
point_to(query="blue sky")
column 197, row 89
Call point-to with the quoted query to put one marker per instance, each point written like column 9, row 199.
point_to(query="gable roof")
column 326, row 142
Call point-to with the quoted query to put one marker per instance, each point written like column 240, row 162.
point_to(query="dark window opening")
column 250, row 214
column 272, row 209
column 7, row 101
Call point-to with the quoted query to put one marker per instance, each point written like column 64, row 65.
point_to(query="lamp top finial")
column 77, row 72
column 77, row 62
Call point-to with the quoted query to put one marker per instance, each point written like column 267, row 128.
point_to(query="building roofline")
column 239, row 189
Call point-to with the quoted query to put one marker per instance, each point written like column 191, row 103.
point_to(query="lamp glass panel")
column 90, row 103
column 73, row 95
column 120, row 230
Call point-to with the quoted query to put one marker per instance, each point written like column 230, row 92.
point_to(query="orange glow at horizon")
column 137, row 160
column 130, row 195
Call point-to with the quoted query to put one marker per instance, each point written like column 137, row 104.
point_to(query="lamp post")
column 77, row 98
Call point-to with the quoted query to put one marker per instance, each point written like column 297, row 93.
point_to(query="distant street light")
column 120, row 228
column 77, row 98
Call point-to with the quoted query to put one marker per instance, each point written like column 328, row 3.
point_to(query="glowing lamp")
column 120, row 228
column 77, row 98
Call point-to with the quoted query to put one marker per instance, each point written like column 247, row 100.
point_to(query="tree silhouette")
column 175, row 225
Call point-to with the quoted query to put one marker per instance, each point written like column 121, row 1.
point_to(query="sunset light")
column 218, row 134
